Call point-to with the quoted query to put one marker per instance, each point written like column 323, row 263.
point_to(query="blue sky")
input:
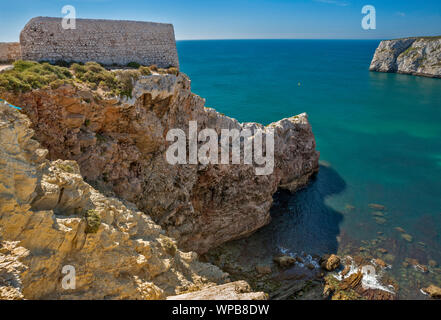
column 244, row 19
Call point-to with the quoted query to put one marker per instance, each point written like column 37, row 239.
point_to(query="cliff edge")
column 416, row 56
column 85, row 182
column 120, row 145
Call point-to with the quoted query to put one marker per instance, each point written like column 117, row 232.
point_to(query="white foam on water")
column 370, row 280
column 307, row 258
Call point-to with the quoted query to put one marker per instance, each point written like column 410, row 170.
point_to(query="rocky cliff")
column 84, row 182
column 120, row 145
column 51, row 218
column 416, row 56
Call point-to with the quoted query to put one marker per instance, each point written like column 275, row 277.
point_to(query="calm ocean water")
column 379, row 136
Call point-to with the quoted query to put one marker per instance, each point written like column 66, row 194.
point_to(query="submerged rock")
column 433, row 263
column 399, row 229
column 285, row 261
column 378, row 214
column 263, row 269
column 377, row 206
column 407, row 237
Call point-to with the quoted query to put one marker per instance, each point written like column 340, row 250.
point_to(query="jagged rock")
column 352, row 281
column 417, row 56
column 239, row 290
column 285, row 261
column 42, row 229
column 330, row 262
column 120, row 145
column 433, row 291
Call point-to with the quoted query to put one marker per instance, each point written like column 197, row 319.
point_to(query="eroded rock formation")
column 120, row 145
column 239, row 290
column 43, row 228
column 417, row 56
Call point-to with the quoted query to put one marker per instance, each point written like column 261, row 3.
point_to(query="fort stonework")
column 109, row 42
column 9, row 51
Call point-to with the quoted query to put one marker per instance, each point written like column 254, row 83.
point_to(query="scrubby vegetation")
column 134, row 65
column 93, row 221
column 66, row 167
column 29, row 75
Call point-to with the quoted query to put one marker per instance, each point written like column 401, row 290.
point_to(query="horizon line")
column 230, row 39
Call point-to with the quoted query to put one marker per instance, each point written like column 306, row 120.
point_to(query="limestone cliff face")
column 416, row 56
column 43, row 228
column 120, row 145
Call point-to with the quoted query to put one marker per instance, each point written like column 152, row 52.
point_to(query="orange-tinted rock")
column 330, row 262
column 352, row 281
column 433, row 291
column 380, row 263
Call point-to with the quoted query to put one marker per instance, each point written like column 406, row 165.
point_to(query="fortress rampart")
column 9, row 51
column 108, row 42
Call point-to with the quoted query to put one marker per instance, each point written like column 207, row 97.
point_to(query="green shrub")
column 29, row 75
column 94, row 76
column 66, row 167
column 134, row 65
column 93, row 221
column 126, row 80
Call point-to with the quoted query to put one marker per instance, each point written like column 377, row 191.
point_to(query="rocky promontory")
column 419, row 56
column 85, row 183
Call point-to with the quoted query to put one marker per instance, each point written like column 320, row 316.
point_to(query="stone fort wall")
column 105, row 41
column 9, row 51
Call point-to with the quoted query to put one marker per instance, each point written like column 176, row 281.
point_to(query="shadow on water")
column 301, row 222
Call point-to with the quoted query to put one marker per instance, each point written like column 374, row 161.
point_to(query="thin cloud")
column 401, row 14
column 334, row 2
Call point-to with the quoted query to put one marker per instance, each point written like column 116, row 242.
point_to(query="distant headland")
column 419, row 56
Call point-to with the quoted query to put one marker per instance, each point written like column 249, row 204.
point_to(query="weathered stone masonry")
column 9, row 51
column 105, row 41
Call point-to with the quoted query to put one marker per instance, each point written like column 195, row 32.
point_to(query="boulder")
column 285, row 261
column 330, row 262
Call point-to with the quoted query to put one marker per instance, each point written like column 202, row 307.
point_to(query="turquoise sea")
column 380, row 141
